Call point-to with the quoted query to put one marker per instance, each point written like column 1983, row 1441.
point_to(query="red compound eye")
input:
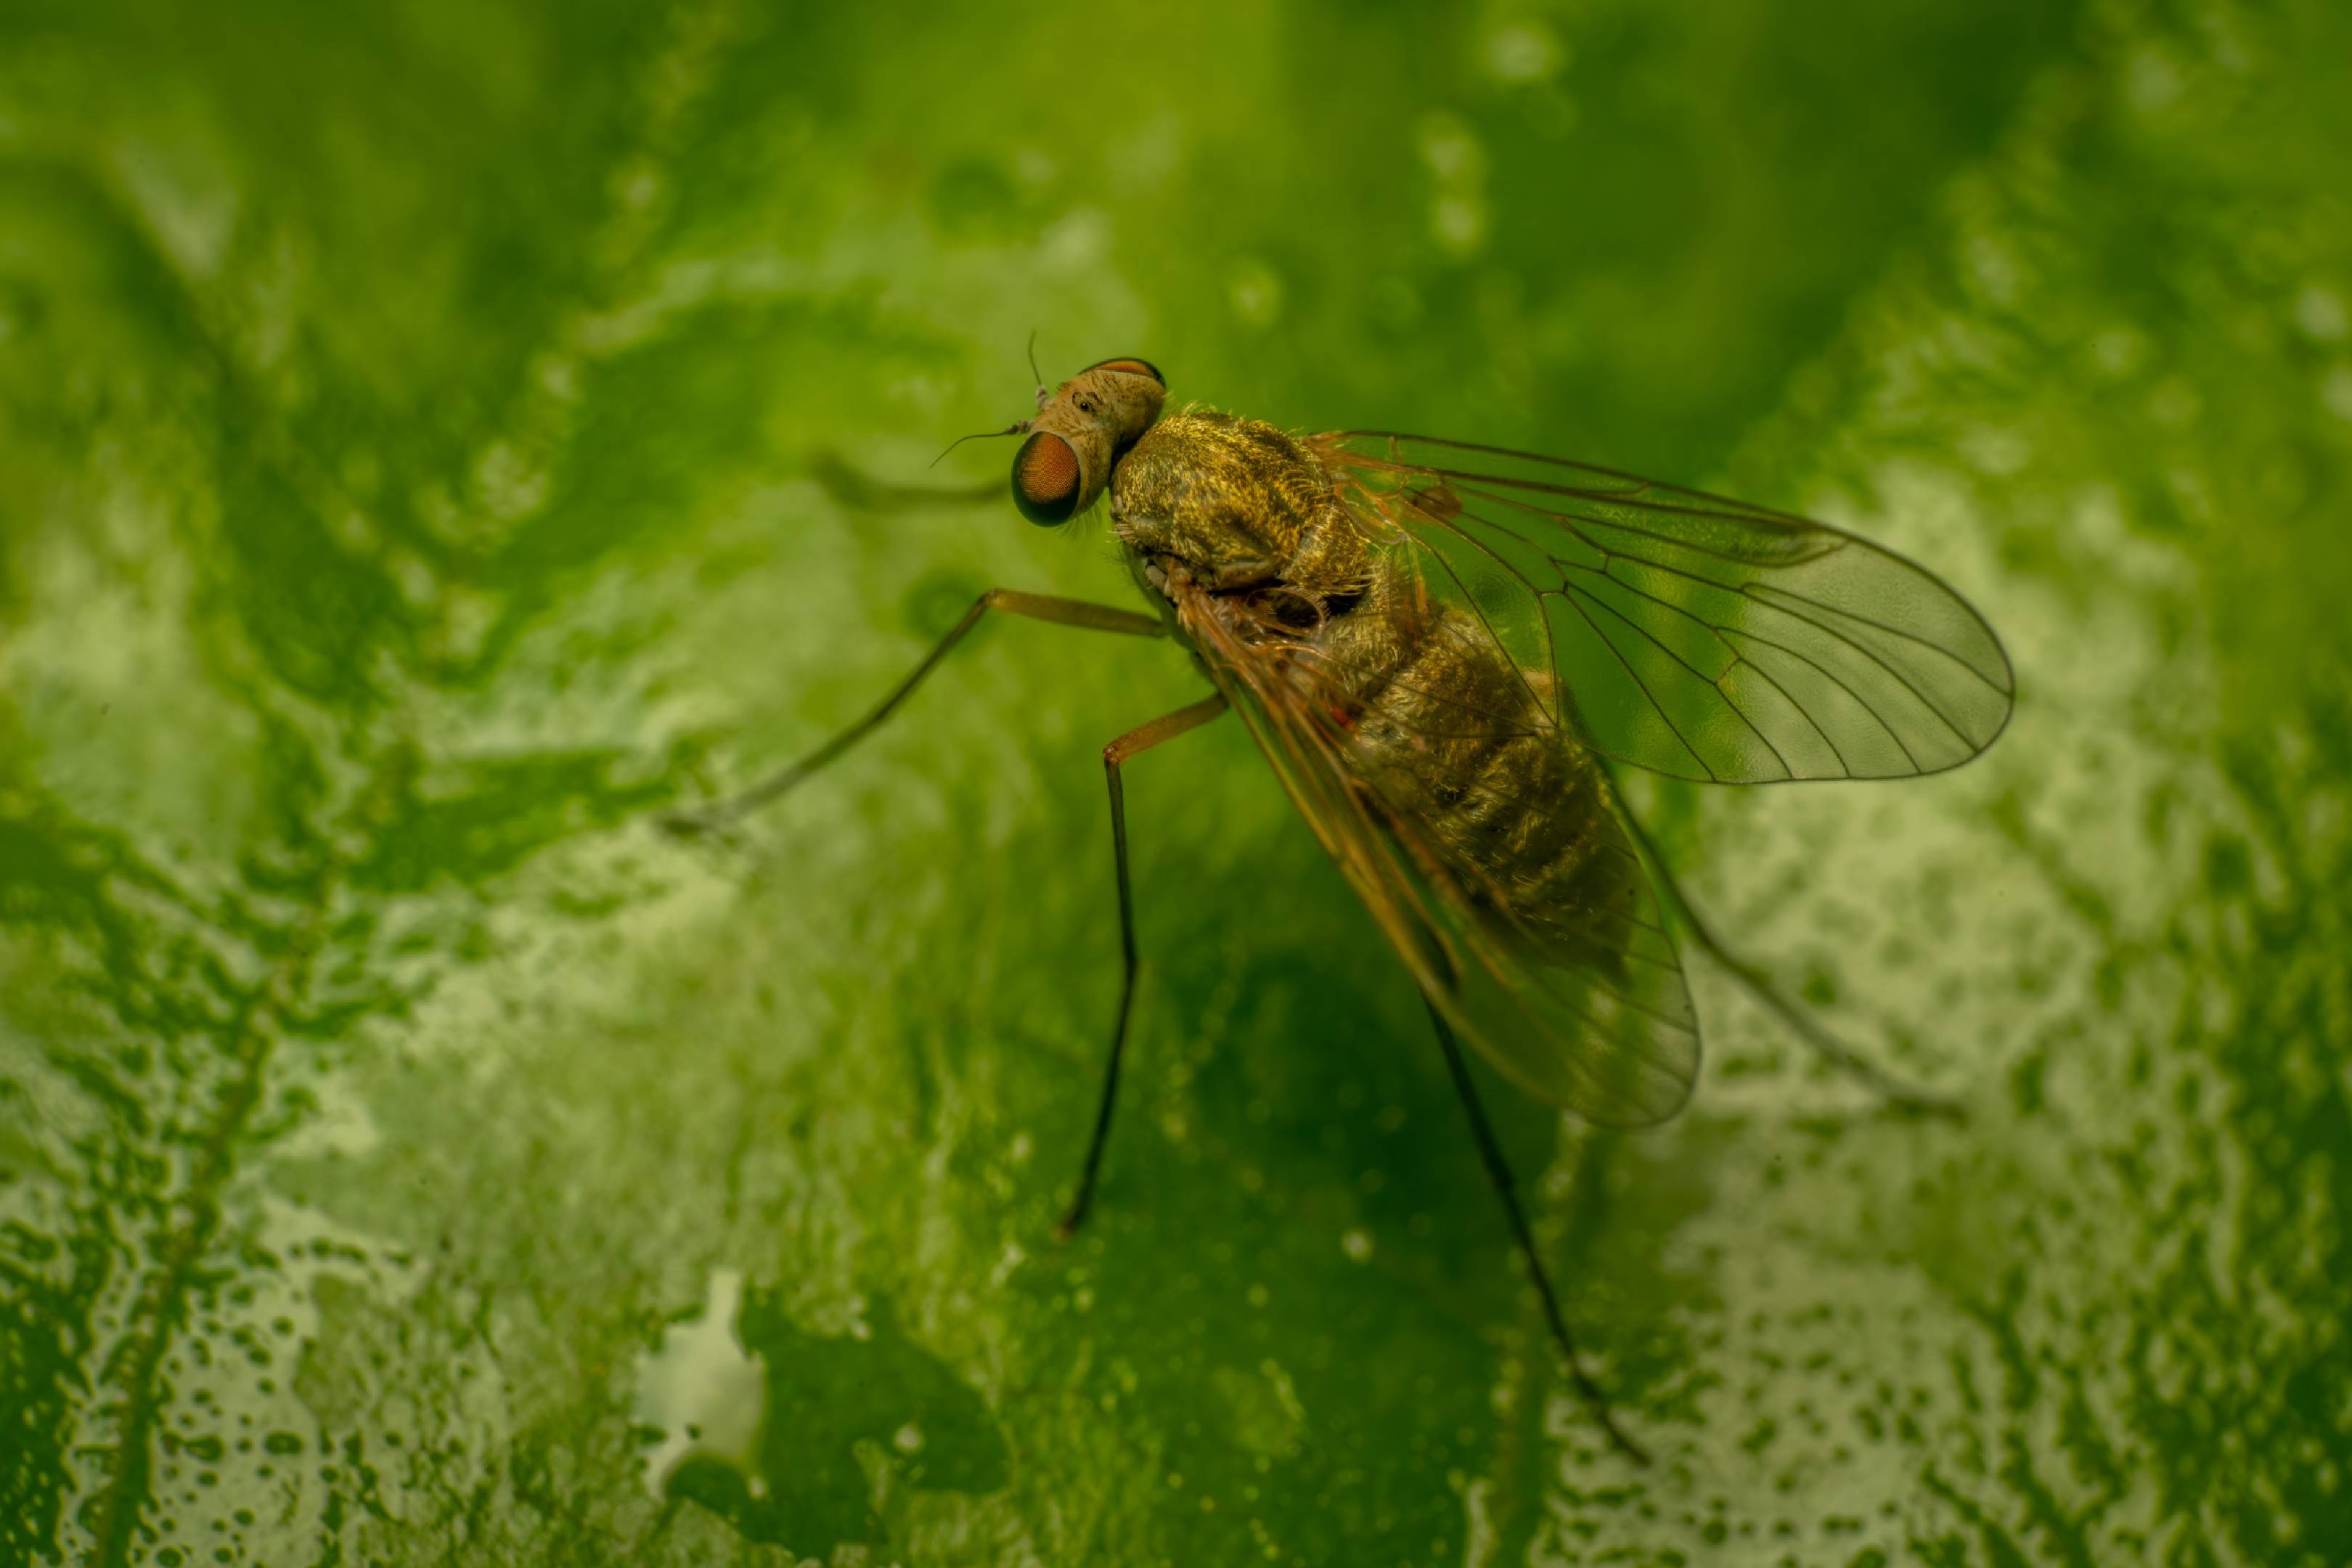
column 1132, row 367
column 1045, row 479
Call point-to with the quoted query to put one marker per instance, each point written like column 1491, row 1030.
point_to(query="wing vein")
column 1712, row 682
column 1647, row 695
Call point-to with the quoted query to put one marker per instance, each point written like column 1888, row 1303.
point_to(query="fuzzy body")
column 1438, row 720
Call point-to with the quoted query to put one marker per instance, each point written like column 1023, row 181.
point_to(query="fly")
column 1439, row 646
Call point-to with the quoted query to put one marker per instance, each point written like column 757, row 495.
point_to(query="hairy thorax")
column 1451, row 734
column 1241, row 504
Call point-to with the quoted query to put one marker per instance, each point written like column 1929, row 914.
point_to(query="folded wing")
column 1686, row 632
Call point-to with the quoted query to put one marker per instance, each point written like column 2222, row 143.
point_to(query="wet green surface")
column 421, row 444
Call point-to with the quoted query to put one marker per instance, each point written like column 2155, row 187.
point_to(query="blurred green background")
column 437, row 435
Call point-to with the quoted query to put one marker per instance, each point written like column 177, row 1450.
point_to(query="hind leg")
column 1498, row 1175
column 1896, row 1091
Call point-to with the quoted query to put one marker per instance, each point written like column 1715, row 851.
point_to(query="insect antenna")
column 1019, row 428
column 1044, row 393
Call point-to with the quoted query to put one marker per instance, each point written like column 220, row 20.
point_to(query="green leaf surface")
column 436, row 437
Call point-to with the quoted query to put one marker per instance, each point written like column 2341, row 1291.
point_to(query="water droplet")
column 1256, row 294
column 2320, row 313
column 1523, row 52
column 704, row 1392
column 2336, row 391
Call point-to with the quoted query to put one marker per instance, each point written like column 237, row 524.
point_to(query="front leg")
column 1078, row 613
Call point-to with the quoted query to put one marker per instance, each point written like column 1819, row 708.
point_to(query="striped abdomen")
column 1449, row 733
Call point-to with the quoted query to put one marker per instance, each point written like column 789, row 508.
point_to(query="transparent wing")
column 1585, row 1009
column 1686, row 632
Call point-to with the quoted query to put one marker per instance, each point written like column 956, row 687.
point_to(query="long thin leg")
column 1762, row 987
column 1136, row 741
column 1499, row 1173
column 1037, row 606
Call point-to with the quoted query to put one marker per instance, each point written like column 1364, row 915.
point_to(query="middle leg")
column 1139, row 740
